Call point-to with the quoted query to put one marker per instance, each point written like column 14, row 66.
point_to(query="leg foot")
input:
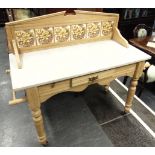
column 45, row 143
column 124, row 112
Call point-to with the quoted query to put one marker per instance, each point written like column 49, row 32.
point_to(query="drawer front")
column 54, row 87
column 117, row 72
column 111, row 74
column 87, row 79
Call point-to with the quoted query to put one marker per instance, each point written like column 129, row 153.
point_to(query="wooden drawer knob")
column 52, row 85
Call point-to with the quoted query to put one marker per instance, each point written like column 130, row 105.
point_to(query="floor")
column 91, row 118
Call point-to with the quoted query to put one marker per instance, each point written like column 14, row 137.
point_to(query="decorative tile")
column 107, row 28
column 44, row 35
column 78, row 31
column 93, row 29
column 25, row 38
column 62, row 33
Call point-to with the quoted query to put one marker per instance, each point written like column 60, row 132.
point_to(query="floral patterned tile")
column 93, row 29
column 78, row 31
column 25, row 38
column 44, row 35
column 107, row 28
column 62, row 33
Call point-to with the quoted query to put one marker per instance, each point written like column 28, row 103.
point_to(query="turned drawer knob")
column 52, row 85
column 93, row 79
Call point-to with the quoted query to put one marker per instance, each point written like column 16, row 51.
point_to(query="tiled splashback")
column 54, row 34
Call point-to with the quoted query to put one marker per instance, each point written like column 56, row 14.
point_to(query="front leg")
column 133, row 84
column 131, row 93
column 34, row 104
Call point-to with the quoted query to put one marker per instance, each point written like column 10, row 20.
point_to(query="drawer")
column 87, row 79
column 96, row 77
column 54, row 87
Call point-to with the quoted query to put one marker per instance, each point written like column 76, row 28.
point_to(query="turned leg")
column 34, row 104
column 131, row 93
column 133, row 84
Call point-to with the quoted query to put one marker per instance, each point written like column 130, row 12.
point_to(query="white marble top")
column 56, row 64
